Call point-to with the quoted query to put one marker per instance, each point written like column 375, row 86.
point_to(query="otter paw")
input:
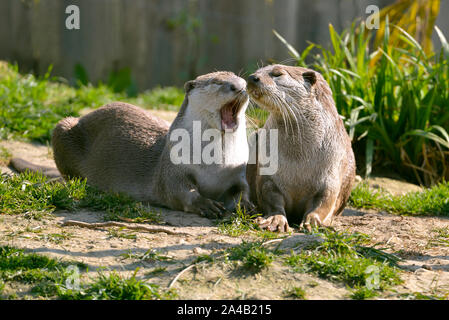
column 309, row 221
column 209, row 208
column 274, row 223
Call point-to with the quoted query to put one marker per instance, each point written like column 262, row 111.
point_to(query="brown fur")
column 122, row 148
column 316, row 161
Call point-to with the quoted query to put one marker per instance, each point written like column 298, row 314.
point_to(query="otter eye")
column 276, row 73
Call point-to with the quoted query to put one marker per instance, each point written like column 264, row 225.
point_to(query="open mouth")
column 230, row 111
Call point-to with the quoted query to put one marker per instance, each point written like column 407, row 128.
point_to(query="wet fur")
column 316, row 162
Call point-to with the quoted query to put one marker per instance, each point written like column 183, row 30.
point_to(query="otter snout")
column 235, row 85
column 253, row 79
column 255, row 85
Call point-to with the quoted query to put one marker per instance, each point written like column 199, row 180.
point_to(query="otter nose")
column 253, row 79
column 235, row 85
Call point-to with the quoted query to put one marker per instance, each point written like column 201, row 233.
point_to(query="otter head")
column 277, row 87
column 219, row 98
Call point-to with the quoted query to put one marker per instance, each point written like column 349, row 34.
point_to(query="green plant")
column 2, row 287
column 55, row 237
column 5, row 155
column 156, row 271
column 346, row 258
column 441, row 237
column 421, row 296
column 167, row 98
column 240, row 222
column 113, row 233
column 432, row 201
column 53, row 279
column 296, row 292
column 43, row 273
column 253, row 256
column 32, row 192
column 115, row 287
column 149, row 255
column 417, row 17
column 31, row 106
column 363, row 293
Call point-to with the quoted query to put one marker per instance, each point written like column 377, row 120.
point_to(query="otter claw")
column 210, row 208
column 273, row 223
column 310, row 221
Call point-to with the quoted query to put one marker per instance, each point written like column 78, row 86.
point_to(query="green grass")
column 252, row 256
column 50, row 278
column 242, row 223
column 432, row 201
column 421, row 296
column 156, row 271
column 41, row 272
column 149, row 255
column 114, row 233
column 341, row 257
column 239, row 223
column 5, row 156
column 56, row 237
column 347, row 258
column 363, row 293
column 440, row 237
column 32, row 192
column 16, row 265
column 31, row 106
column 115, row 287
column 296, row 292
column 167, row 98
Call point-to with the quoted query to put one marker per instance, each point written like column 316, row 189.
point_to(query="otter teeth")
column 228, row 119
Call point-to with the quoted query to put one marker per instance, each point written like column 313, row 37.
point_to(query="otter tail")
column 22, row 165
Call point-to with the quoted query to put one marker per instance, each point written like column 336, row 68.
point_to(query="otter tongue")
column 228, row 119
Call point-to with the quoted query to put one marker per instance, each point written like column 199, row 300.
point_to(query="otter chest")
column 214, row 180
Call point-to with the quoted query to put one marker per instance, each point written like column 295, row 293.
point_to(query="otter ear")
column 310, row 77
column 189, row 85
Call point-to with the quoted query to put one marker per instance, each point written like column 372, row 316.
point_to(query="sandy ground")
column 425, row 259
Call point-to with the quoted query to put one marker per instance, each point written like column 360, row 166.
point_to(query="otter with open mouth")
column 316, row 166
column 122, row 148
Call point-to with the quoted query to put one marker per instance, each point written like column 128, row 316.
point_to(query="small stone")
column 420, row 270
column 299, row 240
column 427, row 267
column 198, row 250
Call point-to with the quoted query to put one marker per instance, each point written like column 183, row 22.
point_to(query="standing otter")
column 122, row 148
column 316, row 166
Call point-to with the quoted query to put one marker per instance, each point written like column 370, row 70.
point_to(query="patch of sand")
column 425, row 263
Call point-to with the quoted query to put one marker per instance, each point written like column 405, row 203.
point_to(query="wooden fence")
column 165, row 42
